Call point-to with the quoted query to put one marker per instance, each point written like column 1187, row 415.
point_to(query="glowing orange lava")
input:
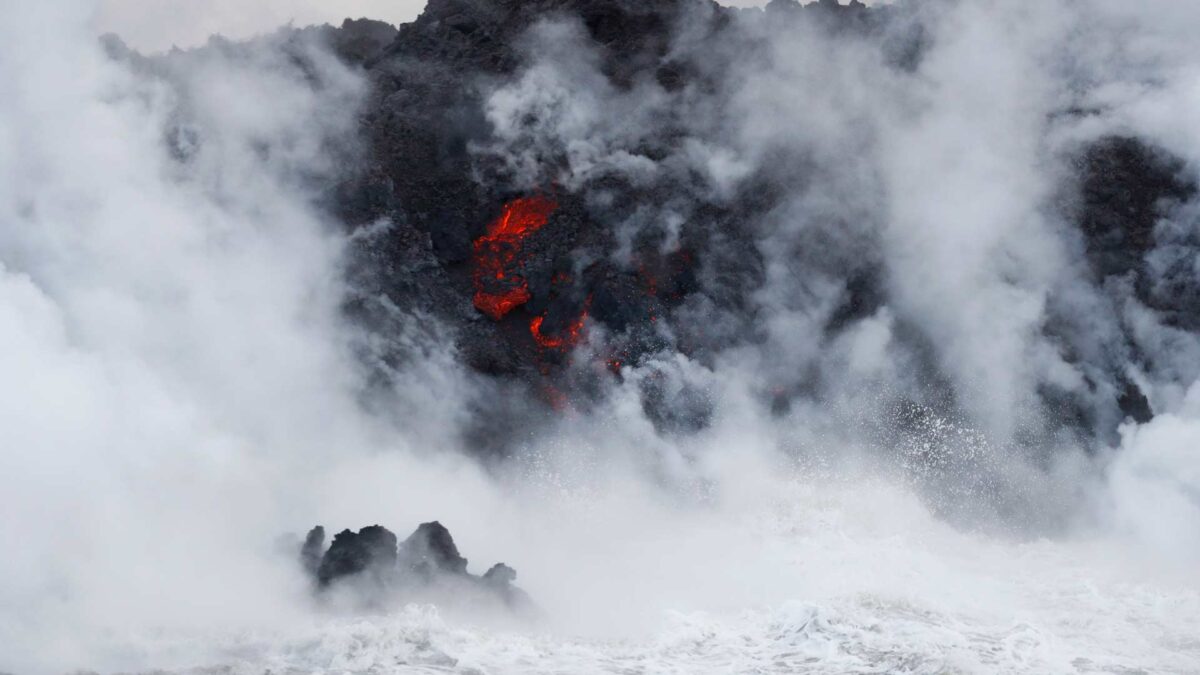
column 498, row 290
column 568, row 338
column 496, row 305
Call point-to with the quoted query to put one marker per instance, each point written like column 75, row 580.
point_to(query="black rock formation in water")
column 431, row 551
column 375, row 564
column 372, row 552
column 312, row 550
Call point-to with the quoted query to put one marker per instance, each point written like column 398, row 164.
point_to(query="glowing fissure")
column 568, row 338
column 498, row 289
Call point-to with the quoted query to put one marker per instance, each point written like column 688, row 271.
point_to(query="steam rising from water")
column 180, row 386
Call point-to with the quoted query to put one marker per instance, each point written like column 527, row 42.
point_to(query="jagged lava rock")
column 428, row 558
column 371, row 551
column 431, row 550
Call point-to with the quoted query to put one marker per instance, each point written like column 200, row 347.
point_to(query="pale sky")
column 156, row 25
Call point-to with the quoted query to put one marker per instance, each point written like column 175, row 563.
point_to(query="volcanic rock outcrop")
column 378, row 568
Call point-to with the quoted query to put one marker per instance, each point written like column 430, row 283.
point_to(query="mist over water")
column 182, row 384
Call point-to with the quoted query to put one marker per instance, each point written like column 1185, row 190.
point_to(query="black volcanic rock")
column 500, row 579
column 372, row 551
column 1128, row 186
column 646, row 260
column 1139, row 246
column 380, row 569
column 312, row 551
column 1133, row 404
column 361, row 40
column 433, row 169
column 431, row 550
column 1134, row 228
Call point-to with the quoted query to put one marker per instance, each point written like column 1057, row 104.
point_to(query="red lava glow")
column 568, row 339
column 496, row 305
column 497, row 290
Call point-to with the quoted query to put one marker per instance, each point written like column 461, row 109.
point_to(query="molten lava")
column 496, row 305
column 498, row 290
column 499, row 287
column 567, row 339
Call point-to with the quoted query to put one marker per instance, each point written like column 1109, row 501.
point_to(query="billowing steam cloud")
column 672, row 307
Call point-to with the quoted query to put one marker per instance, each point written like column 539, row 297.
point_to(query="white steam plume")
column 179, row 386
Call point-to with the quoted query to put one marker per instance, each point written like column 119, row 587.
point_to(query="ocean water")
column 862, row 580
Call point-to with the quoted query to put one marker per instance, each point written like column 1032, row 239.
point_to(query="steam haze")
column 903, row 412
column 158, row 25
